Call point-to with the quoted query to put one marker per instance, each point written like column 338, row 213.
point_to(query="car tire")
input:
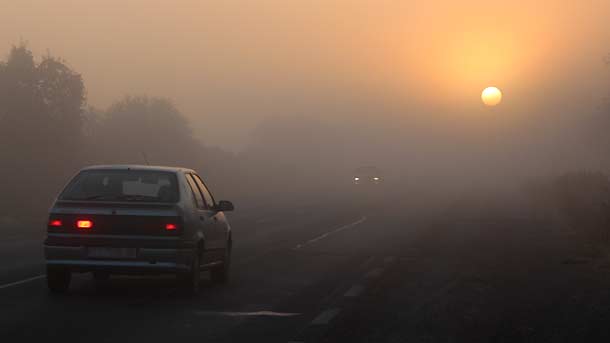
column 58, row 279
column 220, row 273
column 191, row 279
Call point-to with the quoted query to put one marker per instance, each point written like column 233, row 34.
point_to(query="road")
column 466, row 270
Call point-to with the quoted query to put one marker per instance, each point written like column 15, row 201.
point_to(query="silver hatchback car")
column 132, row 219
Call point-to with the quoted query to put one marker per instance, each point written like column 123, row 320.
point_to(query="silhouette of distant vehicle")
column 367, row 175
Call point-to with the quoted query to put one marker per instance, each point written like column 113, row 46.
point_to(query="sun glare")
column 491, row 96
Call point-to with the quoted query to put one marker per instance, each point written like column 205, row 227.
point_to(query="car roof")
column 367, row 169
column 138, row 167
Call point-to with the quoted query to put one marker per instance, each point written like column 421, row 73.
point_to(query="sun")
column 491, row 96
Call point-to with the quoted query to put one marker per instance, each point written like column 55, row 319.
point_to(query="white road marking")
column 374, row 273
column 355, row 291
column 22, row 281
column 344, row 227
column 247, row 314
column 326, row 316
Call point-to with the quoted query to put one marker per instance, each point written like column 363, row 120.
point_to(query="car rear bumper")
column 119, row 267
column 152, row 255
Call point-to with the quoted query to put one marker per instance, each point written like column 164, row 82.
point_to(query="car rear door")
column 205, row 216
column 219, row 228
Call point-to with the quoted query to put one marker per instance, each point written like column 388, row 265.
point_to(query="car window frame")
column 204, row 190
column 193, row 186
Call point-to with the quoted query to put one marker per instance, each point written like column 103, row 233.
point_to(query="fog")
column 302, row 93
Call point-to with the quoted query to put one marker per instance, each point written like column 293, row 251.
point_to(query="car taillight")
column 84, row 224
column 55, row 223
column 171, row 227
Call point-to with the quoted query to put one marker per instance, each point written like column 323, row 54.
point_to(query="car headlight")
column 356, row 179
column 376, row 178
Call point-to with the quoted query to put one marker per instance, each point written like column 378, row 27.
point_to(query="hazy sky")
column 230, row 64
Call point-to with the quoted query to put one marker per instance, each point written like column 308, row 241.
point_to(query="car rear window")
column 122, row 185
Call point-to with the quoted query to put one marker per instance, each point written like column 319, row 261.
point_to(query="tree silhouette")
column 40, row 126
column 141, row 125
column 42, row 103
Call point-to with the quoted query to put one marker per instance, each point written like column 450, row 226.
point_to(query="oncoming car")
column 130, row 219
column 368, row 175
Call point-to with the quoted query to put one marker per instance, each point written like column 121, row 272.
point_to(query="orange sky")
column 230, row 64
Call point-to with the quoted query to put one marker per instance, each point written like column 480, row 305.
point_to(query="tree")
column 40, row 126
column 63, row 95
column 137, row 126
column 42, row 103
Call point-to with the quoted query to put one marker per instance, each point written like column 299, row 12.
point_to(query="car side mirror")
column 224, row 205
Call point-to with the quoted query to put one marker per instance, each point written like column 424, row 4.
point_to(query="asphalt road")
column 466, row 270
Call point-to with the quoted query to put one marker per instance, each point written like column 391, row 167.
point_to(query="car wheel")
column 220, row 273
column 58, row 279
column 191, row 279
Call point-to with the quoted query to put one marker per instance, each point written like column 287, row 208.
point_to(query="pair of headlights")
column 358, row 179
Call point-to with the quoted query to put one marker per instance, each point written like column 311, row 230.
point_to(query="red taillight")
column 171, row 227
column 84, row 224
column 55, row 223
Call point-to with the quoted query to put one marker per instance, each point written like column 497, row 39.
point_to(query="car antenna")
column 145, row 158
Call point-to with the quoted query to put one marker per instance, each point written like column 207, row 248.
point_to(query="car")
column 133, row 219
column 367, row 175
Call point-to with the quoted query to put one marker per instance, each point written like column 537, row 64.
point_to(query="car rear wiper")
column 116, row 197
column 132, row 197
column 97, row 196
